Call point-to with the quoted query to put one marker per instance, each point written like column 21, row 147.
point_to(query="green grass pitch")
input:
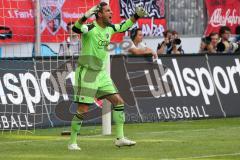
column 215, row 139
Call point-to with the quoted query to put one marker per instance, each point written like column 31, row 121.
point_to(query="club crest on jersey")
column 107, row 35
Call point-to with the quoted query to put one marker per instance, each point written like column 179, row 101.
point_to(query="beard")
column 106, row 22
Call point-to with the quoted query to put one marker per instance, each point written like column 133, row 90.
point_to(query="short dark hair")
column 223, row 29
column 174, row 32
column 238, row 29
column 134, row 32
column 166, row 32
column 100, row 6
column 69, row 24
column 212, row 34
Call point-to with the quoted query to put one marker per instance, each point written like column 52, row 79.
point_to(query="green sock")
column 75, row 128
column 119, row 119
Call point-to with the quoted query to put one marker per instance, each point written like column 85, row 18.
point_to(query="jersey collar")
column 96, row 24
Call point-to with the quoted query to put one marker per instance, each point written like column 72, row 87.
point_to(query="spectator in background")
column 209, row 44
column 204, row 44
column 137, row 46
column 171, row 44
column 237, row 38
column 165, row 46
column 175, row 35
column 224, row 46
column 214, row 39
column 72, row 44
column 176, row 44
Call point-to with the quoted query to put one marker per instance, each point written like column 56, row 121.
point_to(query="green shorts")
column 90, row 84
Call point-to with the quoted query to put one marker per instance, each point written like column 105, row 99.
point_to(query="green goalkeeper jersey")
column 94, row 54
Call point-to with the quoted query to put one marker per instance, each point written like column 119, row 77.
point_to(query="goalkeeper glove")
column 140, row 12
column 91, row 11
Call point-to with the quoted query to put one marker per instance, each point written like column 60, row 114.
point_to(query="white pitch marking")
column 57, row 139
column 194, row 130
column 203, row 156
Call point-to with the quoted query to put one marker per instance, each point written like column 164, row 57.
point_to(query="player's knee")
column 118, row 101
column 82, row 108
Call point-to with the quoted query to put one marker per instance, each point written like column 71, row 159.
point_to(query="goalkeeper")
column 91, row 78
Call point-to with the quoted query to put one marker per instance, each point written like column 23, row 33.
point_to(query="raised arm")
column 124, row 26
column 79, row 26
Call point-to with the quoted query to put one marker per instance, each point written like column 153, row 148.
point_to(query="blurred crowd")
column 221, row 42
column 171, row 44
column 215, row 43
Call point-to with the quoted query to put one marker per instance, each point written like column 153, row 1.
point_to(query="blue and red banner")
column 153, row 25
column 17, row 19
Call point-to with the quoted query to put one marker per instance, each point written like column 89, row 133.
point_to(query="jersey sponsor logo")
column 103, row 43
